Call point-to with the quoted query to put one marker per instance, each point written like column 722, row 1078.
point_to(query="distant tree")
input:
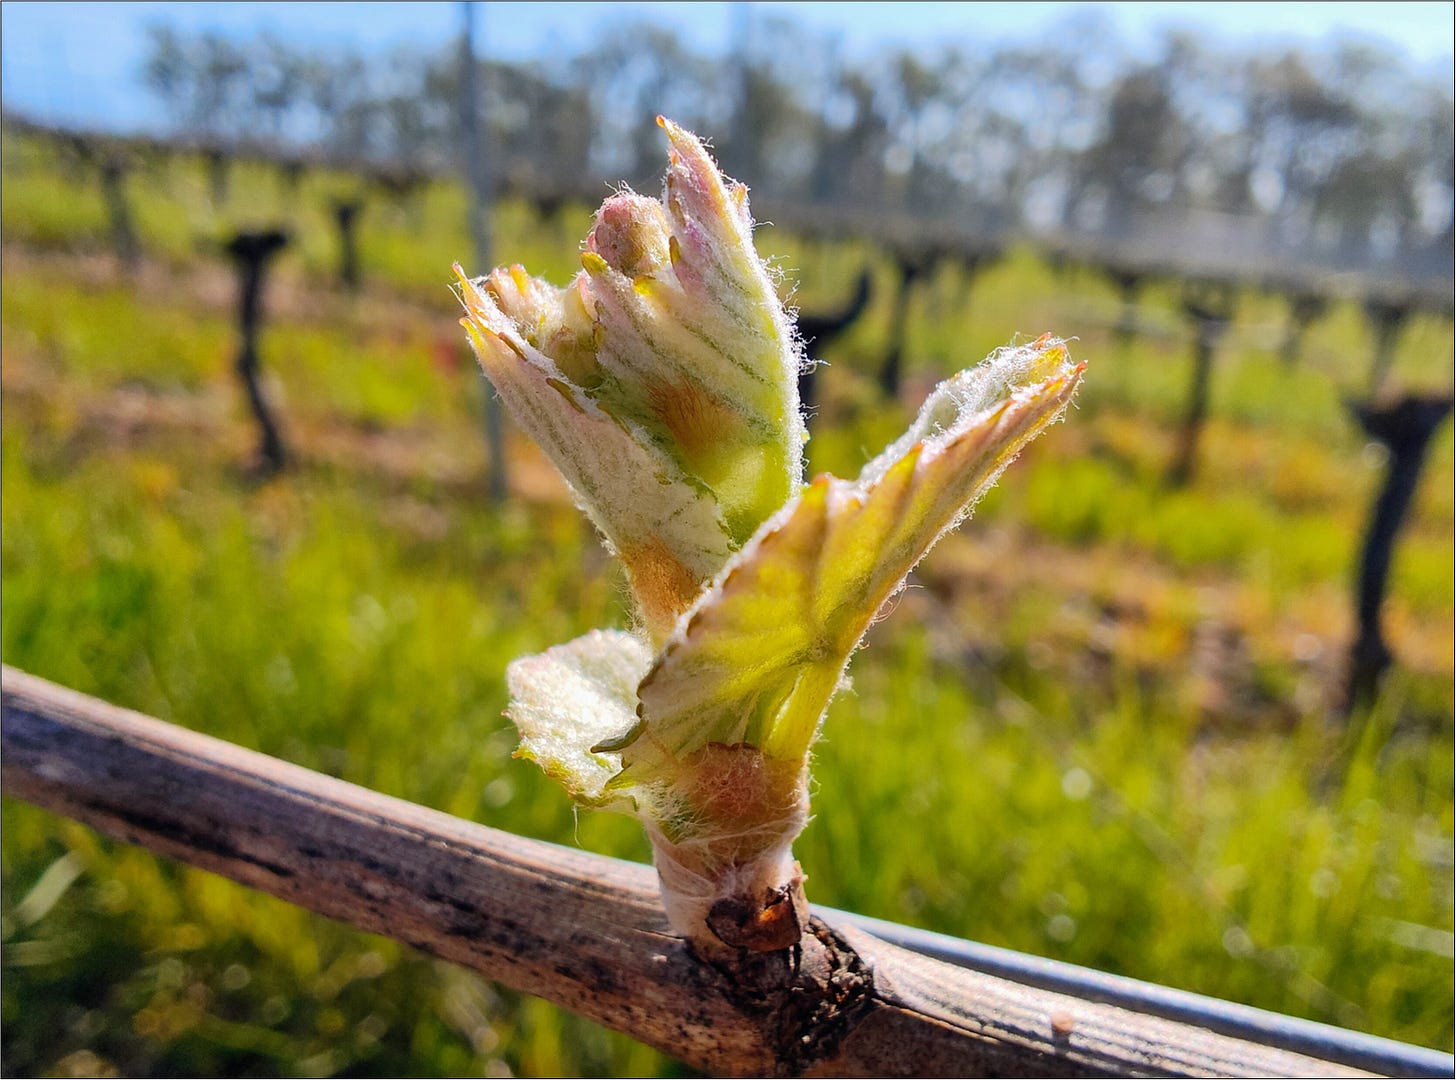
column 853, row 140
column 205, row 82
column 1344, row 151
column 1135, row 160
column 644, row 70
column 277, row 76
column 167, row 72
column 221, row 98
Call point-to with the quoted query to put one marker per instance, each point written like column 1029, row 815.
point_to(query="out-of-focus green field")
column 1096, row 729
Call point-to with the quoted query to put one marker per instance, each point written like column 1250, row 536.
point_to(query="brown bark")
column 583, row 931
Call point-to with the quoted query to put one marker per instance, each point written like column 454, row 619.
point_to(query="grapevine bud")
column 662, row 383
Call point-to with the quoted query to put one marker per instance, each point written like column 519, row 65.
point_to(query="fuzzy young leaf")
column 568, row 699
column 662, row 381
column 761, row 654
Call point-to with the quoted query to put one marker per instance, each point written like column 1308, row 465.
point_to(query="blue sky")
column 77, row 62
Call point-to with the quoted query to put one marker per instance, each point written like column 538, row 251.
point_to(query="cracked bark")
column 583, row 931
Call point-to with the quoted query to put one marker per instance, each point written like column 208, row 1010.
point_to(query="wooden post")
column 346, row 217
column 1060, row 262
column 1387, row 316
column 583, row 931
column 1405, row 428
column 1304, row 308
column 974, row 261
column 404, row 185
column 155, row 157
column 114, row 168
column 479, row 220
column 219, row 165
column 1210, row 308
column 548, row 203
column 1129, row 284
column 291, row 169
column 742, row 156
column 821, row 329
column 912, row 265
column 252, row 252
column 77, row 153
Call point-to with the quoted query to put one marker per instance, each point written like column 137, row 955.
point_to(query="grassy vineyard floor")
column 1096, row 728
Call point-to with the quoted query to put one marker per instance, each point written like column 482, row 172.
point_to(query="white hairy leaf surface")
column 760, row 656
column 573, row 697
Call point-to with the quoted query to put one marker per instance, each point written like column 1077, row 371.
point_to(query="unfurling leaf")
column 662, row 383
column 568, row 699
column 761, row 654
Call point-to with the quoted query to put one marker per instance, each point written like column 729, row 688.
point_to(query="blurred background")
column 1176, row 703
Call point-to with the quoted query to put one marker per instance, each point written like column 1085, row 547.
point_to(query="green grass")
column 1094, row 731
column 1074, row 826
column 408, row 244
